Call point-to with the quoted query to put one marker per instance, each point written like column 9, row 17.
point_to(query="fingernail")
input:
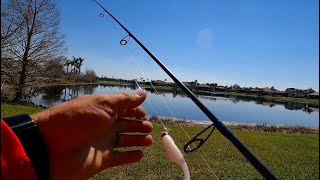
column 140, row 93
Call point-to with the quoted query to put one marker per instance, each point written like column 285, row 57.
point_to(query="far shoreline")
column 276, row 99
column 313, row 103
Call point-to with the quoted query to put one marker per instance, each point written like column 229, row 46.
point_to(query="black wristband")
column 28, row 133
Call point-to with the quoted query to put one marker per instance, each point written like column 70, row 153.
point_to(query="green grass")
column 239, row 94
column 159, row 88
column 111, row 82
column 10, row 109
column 290, row 99
column 267, row 97
column 99, row 82
column 288, row 156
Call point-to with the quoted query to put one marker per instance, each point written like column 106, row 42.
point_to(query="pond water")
column 180, row 106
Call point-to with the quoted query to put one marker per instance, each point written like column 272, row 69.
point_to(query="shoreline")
column 313, row 103
column 237, row 126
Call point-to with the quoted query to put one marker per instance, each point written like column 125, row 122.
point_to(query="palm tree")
column 73, row 63
column 80, row 63
column 67, row 63
column 77, row 68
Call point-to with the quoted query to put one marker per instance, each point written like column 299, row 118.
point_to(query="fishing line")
column 153, row 109
column 138, row 85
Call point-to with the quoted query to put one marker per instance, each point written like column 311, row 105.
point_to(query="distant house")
column 314, row 95
column 257, row 92
column 220, row 89
column 280, row 93
column 241, row 90
column 159, row 83
column 293, row 92
column 213, row 86
column 170, row 84
column 187, row 84
column 267, row 91
column 204, row 87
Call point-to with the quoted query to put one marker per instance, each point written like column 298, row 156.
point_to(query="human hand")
column 81, row 134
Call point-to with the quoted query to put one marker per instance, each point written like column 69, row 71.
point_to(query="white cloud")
column 204, row 38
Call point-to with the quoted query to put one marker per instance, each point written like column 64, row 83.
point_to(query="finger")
column 134, row 140
column 125, row 125
column 137, row 112
column 120, row 158
column 129, row 101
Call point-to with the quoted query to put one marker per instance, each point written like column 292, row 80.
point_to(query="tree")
column 73, row 64
column 10, row 27
column 89, row 75
column 54, row 69
column 80, row 60
column 77, row 66
column 34, row 24
column 273, row 88
column 67, row 63
column 235, row 87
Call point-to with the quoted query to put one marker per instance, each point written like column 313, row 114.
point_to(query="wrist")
column 41, row 119
column 36, row 149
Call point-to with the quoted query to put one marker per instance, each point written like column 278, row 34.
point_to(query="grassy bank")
column 71, row 83
column 289, row 156
column 272, row 98
column 290, row 99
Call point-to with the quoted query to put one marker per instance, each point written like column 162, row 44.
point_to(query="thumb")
column 130, row 100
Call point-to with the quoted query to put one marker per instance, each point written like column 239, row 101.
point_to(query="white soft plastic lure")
column 174, row 154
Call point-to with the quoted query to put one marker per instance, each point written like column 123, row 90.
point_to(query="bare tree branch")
column 29, row 39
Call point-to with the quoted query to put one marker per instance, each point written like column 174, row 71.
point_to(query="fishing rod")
column 224, row 130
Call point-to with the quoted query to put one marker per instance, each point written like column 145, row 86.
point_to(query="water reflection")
column 53, row 94
column 233, row 109
column 50, row 95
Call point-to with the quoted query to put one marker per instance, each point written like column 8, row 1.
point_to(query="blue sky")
column 249, row 42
